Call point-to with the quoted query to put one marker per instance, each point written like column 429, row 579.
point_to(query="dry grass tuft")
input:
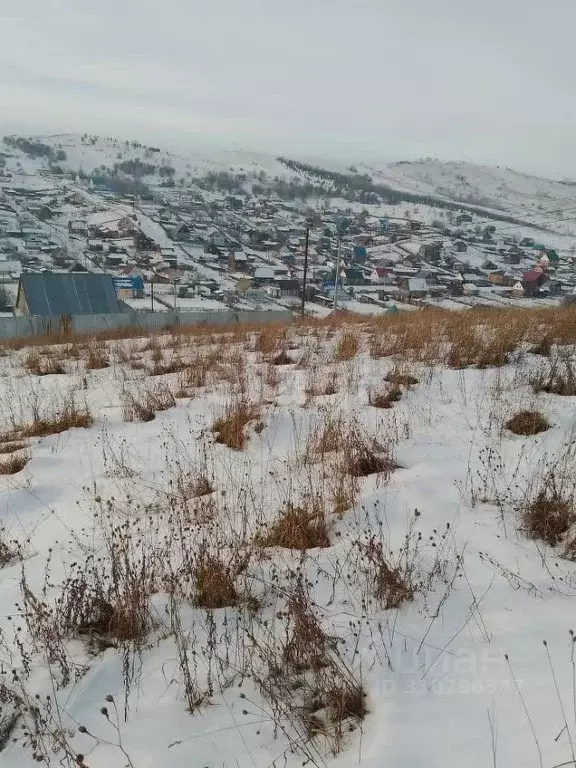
column 347, row 347
column 543, row 347
column 282, row 358
column 297, row 527
column 527, row 423
column 200, row 486
column 213, row 583
column 550, row 514
column 365, row 456
column 12, row 447
column 70, row 417
column 308, row 646
column 329, row 437
column 346, row 702
column 10, row 551
column 174, row 365
column 385, row 399
column 229, row 428
column 42, row 366
column 269, row 338
column 14, row 464
column 559, row 380
column 143, row 404
column 98, row 356
column 392, row 585
column 400, row 378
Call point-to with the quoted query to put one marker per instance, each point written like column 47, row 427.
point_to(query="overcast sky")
column 490, row 81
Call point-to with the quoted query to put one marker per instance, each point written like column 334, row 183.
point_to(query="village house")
column 238, row 262
column 53, row 294
column 263, row 275
column 414, row 287
column 77, row 227
column 533, row 280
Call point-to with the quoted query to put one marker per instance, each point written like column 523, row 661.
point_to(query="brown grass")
column 10, row 551
column 69, row 416
column 214, row 584
column 230, row 428
column 98, row 356
column 282, row 358
column 385, row 399
column 162, row 366
column 143, row 404
column 347, row 347
column 421, row 334
column 550, row 514
column 401, row 378
column 268, row 338
column 527, row 423
column 297, row 527
column 543, row 347
column 559, row 380
column 14, row 464
column 391, row 581
column 346, row 702
column 12, row 447
column 43, row 366
column 364, row 456
column 329, row 437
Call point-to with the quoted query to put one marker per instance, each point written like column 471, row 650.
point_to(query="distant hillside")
column 498, row 193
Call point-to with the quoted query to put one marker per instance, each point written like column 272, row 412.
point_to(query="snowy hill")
column 549, row 203
column 522, row 195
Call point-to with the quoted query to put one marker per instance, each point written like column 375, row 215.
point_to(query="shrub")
column 527, row 423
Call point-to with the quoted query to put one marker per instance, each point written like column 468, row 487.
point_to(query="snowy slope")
column 439, row 688
column 498, row 188
column 549, row 202
column 107, row 151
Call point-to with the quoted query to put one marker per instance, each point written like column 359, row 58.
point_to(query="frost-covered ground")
column 413, row 635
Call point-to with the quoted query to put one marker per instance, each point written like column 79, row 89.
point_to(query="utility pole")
column 337, row 278
column 305, row 266
column 152, row 293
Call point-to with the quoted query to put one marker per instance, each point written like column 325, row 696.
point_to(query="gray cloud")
column 490, row 82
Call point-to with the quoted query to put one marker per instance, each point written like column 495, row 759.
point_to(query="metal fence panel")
column 15, row 327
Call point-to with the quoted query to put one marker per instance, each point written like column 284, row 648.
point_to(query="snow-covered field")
column 238, row 560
